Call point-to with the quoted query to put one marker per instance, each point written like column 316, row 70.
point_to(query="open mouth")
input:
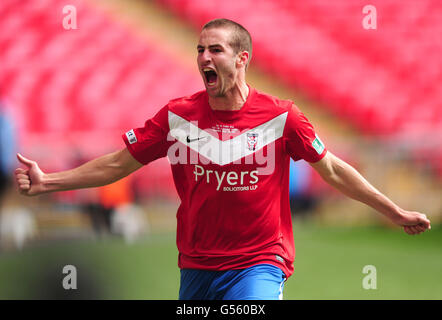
column 211, row 76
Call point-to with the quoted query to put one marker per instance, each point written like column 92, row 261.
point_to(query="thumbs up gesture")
column 29, row 179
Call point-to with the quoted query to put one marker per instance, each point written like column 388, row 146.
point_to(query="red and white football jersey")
column 231, row 171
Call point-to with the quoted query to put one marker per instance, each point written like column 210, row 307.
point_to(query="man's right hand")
column 30, row 179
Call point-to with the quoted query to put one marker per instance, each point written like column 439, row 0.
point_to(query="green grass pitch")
column 328, row 265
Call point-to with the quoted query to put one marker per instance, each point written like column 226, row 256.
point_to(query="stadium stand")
column 79, row 90
column 95, row 82
column 385, row 81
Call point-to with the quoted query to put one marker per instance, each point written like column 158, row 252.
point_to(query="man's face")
column 217, row 61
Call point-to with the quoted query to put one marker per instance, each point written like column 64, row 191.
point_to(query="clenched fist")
column 30, row 179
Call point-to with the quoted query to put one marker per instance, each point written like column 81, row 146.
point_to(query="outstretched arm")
column 109, row 168
column 346, row 179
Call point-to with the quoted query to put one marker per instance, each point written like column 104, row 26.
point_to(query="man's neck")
column 234, row 99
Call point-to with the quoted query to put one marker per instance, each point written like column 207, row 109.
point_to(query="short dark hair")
column 241, row 39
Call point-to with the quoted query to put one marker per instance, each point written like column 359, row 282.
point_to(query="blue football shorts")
column 259, row 282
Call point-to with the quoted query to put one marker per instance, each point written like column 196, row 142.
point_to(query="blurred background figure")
column 117, row 213
column 7, row 149
column 111, row 197
column 17, row 224
column 129, row 221
column 302, row 200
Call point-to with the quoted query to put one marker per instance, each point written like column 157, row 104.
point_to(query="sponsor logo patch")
column 318, row 145
column 131, row 137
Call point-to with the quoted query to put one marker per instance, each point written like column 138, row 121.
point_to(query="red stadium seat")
column 81, row 89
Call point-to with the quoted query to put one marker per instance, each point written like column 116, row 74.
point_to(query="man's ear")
column 243, row 58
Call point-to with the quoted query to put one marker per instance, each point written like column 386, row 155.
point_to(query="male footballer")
column 229, row 147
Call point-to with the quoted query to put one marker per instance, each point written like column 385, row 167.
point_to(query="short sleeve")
column 149, row 143
column 300, row 138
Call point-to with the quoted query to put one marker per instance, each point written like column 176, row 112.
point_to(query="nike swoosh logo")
column 192, row 140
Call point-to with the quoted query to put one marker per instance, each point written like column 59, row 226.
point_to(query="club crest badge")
column 252, row 141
